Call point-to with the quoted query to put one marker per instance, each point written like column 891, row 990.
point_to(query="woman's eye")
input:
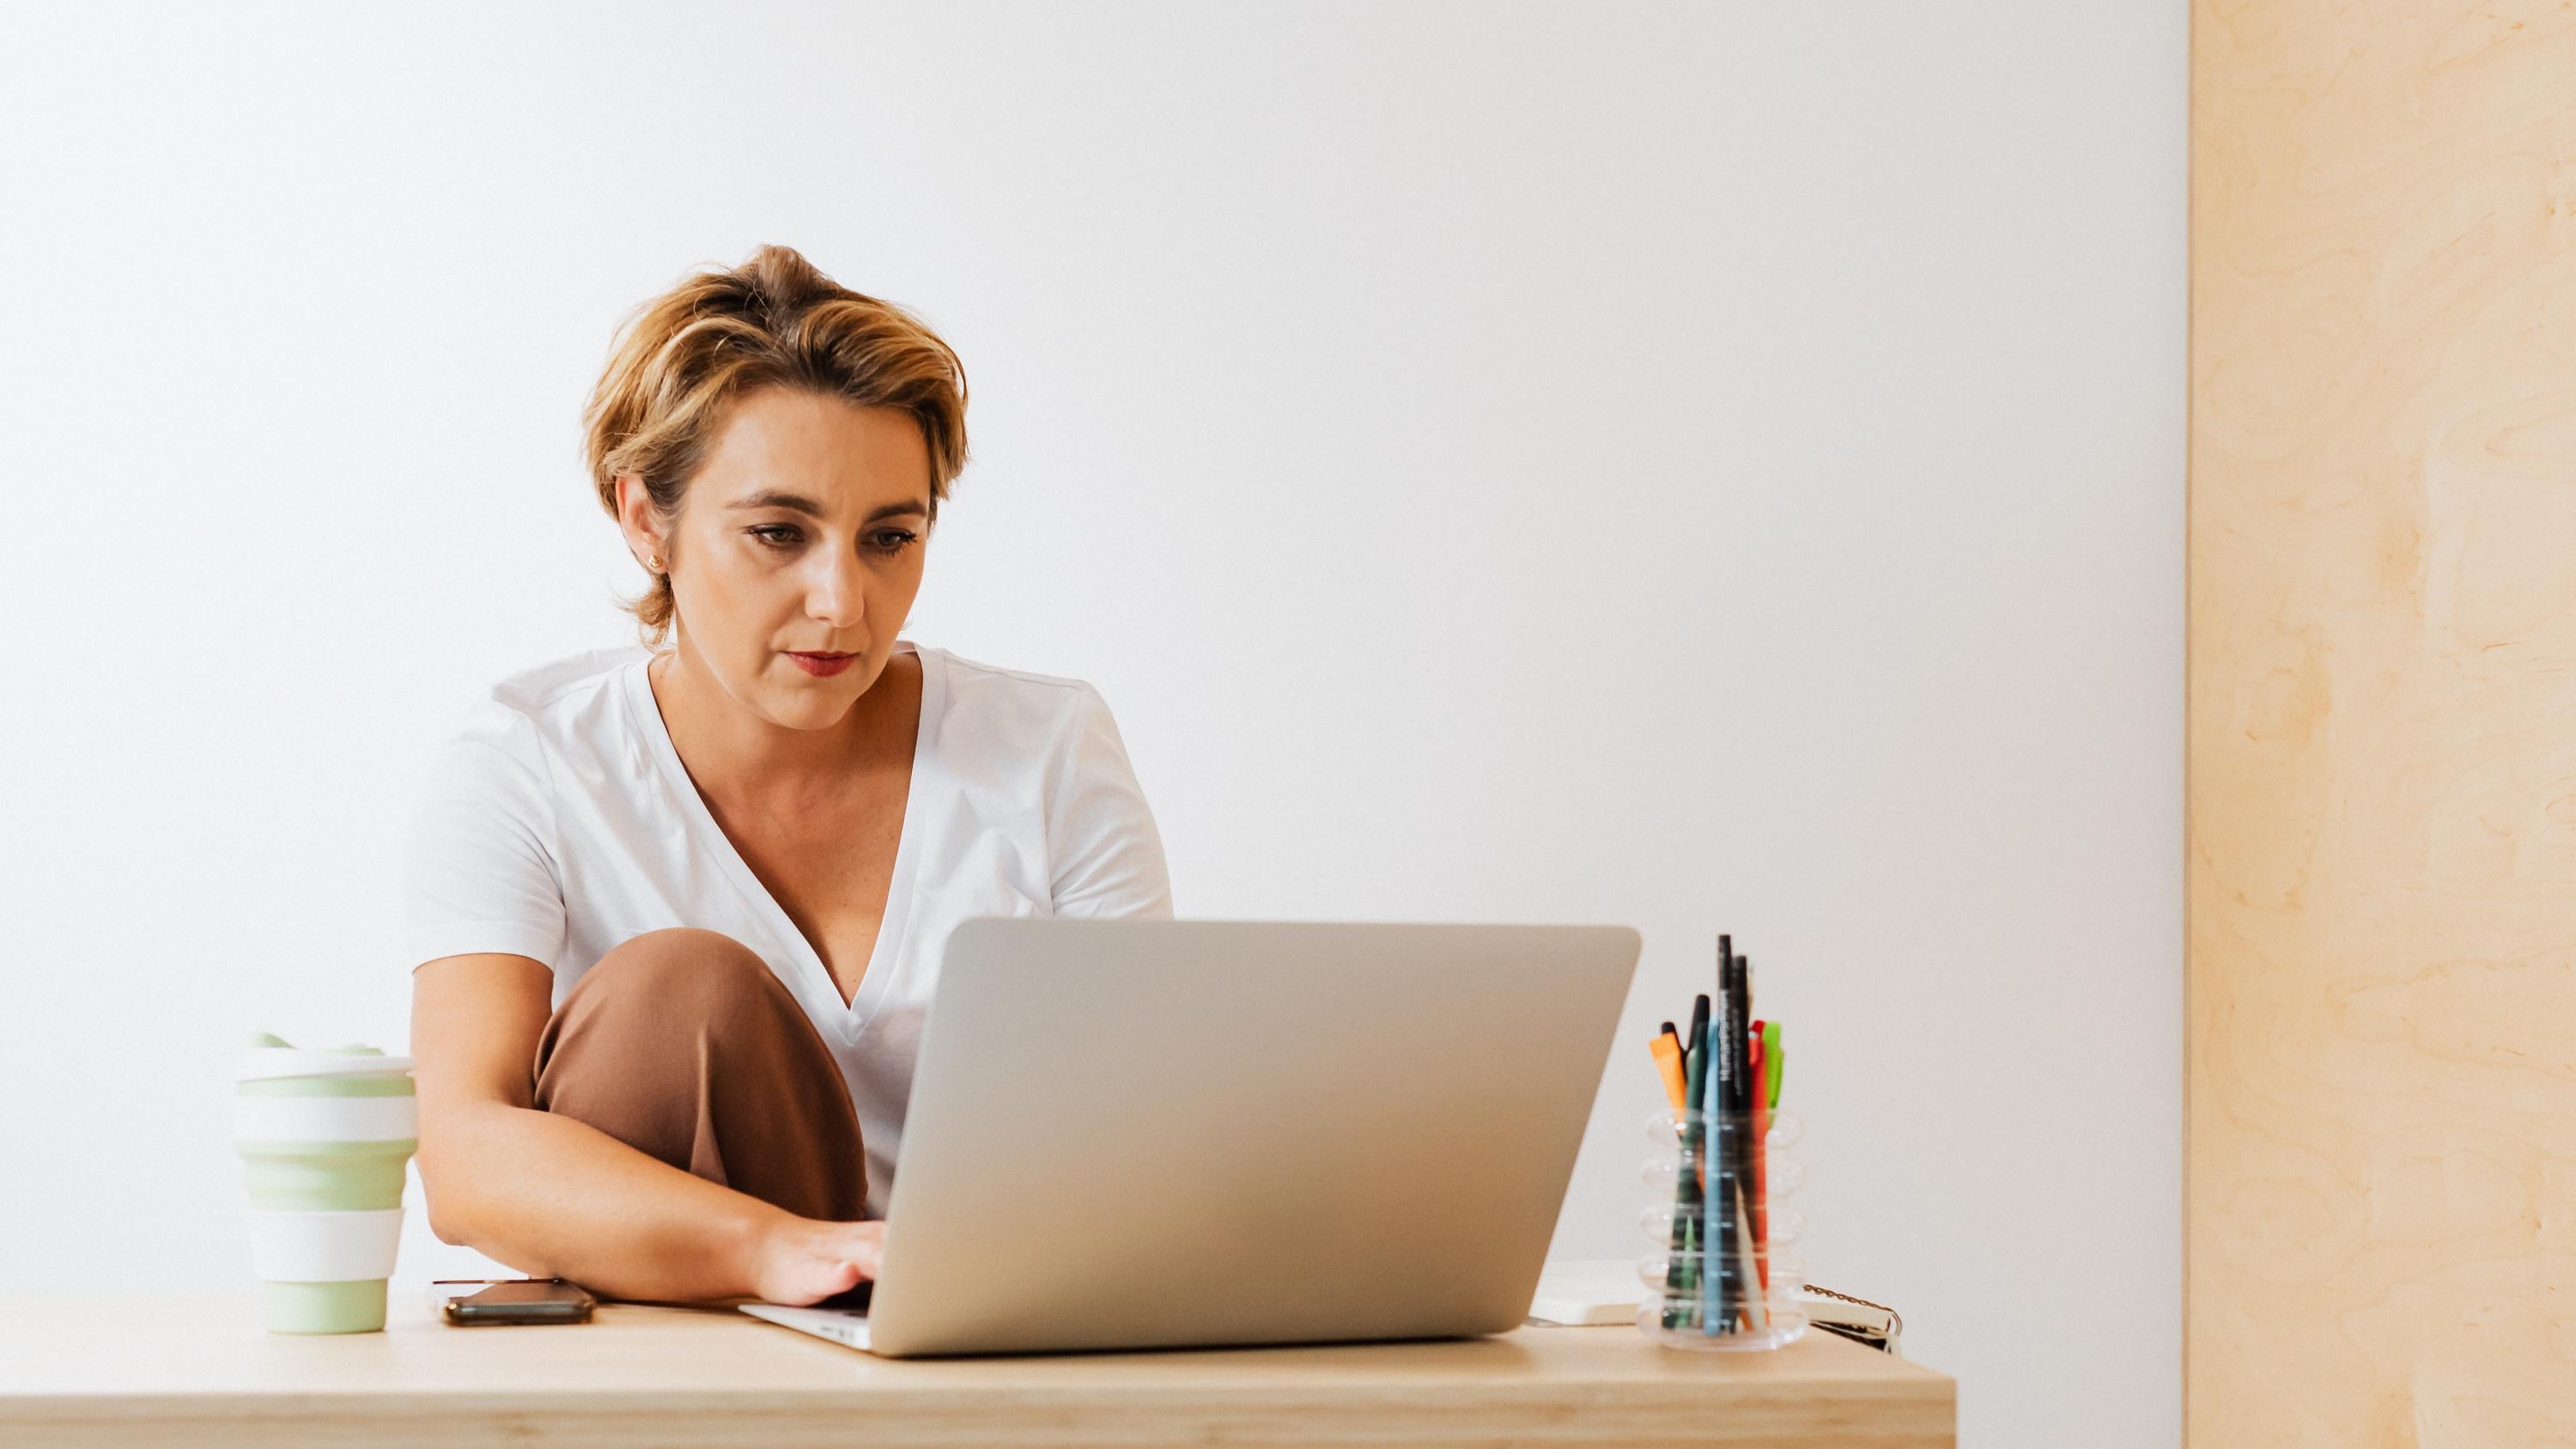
column 787, row 535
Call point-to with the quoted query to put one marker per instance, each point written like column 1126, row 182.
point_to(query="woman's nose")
column 835, row 594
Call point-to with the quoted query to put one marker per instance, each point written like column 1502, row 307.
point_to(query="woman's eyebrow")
column 799, row 503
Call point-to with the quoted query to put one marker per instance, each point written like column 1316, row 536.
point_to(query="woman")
column 678, row 911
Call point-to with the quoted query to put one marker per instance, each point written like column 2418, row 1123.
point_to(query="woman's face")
column 797, row 551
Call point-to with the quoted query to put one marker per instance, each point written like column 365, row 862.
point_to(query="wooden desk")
column 200, row 1370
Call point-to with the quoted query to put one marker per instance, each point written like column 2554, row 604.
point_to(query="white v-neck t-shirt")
column 558, row 822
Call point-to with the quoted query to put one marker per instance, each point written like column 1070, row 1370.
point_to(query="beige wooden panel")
column 2381, row 1189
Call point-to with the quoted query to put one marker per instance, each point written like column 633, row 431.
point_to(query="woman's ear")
column 635, row 517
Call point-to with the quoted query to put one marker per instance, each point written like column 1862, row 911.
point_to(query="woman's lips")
column 823, row 664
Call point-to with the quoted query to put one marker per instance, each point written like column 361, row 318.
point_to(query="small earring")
column 654, row 563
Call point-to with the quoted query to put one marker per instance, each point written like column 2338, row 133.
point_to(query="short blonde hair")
column 685, row 356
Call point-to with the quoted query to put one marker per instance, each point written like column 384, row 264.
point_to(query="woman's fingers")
column 809, row 1259
column 865, row 1245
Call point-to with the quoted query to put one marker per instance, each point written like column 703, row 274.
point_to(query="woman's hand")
column 805, row 1260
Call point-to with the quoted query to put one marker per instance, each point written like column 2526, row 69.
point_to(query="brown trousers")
column 683, row 1045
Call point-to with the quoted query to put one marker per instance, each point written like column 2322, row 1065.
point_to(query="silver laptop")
column 1146, row 1133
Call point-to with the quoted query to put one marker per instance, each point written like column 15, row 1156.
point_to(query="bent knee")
column 689, row 943
column 681, row 963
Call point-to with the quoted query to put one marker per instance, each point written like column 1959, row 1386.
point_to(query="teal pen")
column 1712, row 1277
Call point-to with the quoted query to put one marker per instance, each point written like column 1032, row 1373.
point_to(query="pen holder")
column 1723, row 1274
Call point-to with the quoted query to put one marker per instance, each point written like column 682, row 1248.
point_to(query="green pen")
column 1771, row 1063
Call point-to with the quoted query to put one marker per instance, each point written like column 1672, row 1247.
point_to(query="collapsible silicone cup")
column 324, row 1136
column 1757, row 1249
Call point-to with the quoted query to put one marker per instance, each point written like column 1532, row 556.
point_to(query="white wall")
column 1704, row 467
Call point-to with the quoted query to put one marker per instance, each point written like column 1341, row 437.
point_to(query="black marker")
column 1698, row 1032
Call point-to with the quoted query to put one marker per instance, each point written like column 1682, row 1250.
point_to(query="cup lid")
column 271, row 1056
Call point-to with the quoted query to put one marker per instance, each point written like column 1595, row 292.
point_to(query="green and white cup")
column 325, row 1135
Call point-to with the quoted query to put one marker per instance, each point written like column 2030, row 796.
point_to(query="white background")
column 1707, row 467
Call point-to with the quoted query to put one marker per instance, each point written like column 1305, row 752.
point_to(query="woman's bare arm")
column 556, row 1197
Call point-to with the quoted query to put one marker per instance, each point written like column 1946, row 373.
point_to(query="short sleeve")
column 1105, row 858
column 480, row 869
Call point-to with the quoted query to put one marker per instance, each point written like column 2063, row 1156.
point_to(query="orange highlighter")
column 1668, row 1062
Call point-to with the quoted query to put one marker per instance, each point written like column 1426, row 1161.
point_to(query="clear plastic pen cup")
column 1724, row 1272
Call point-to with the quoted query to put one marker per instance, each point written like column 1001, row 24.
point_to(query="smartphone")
column 524, row 1300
